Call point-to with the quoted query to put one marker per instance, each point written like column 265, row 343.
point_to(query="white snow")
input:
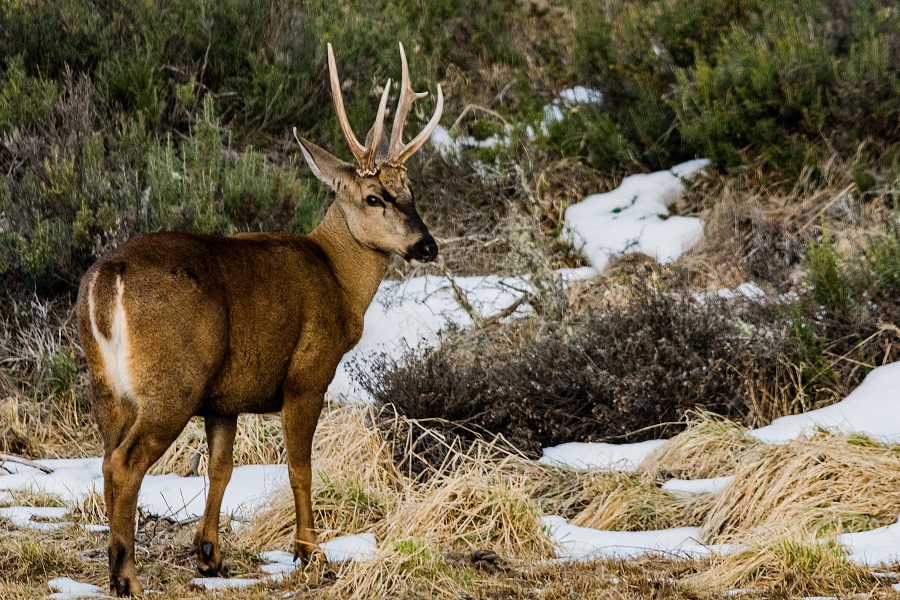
column 634, row 217
column 696, row 487
column 163, row 495
column 409, row 314
column 225, row 583
column 583, row 543
column 581, row 95
column 598, row 455
column 30, row 517
column 748, row 290
column 280, row 564
column 875, row 547
column 450, row 146
column 68, row 589
column 357, row 548
column 870, row 409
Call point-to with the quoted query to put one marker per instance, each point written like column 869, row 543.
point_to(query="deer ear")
column 324, row 165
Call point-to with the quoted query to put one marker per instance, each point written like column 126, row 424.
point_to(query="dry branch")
column 24, row 461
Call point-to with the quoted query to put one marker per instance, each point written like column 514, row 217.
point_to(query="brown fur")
column 219, row 326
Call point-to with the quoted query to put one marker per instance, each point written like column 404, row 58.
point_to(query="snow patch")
column 634, row 217
column 408, row 314
column 870, row 409
column 225, row 583
column 65, row 588
column 874, row 547
column 44, row 518
column 162, row 495
column 581, row 95
column 280, row 564
column 597, row 455
column 583, row 543
column 697, row 487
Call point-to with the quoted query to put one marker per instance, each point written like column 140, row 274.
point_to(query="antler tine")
column 423, row 136
column 407, row 97
column 358, row 150
column 372, row 150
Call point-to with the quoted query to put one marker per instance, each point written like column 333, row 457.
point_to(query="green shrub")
column 884, row 260
column 834, row 284
column 799, row 78
column 591, row 133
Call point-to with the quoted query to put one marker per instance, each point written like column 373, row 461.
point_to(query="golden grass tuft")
column 479, row 499
column 786, row 564
column 632, row 502
column 711, row 446
column 32, row 497
column 825, row 485
column 407, row 568
column 14, row 435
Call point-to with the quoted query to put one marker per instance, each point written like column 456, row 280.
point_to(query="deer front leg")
column 300, row 416
column 220, row 432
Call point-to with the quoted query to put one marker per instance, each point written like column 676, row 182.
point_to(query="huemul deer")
column 175, row 325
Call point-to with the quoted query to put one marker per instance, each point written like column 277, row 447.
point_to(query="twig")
column 24, row 461
column 479, row 319
column 470, row 107
column 173, row 526
column 508, row 310
column 463, row 301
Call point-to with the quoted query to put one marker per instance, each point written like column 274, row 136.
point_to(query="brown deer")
column 175, row 325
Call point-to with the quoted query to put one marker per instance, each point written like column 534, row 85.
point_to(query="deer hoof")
column 308, row 553
column 208, row 563
column 125, row 586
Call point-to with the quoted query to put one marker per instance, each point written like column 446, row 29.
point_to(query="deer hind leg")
column 220, row 432
column 115, row 418
column 124, row 470
column 300, row 416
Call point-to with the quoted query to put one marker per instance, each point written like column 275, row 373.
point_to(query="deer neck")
column 358, row 269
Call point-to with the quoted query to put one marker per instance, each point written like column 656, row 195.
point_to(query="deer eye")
column 374, row 201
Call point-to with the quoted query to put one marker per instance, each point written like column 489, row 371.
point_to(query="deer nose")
column 425, row 249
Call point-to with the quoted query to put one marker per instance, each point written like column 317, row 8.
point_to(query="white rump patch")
column 116, row 349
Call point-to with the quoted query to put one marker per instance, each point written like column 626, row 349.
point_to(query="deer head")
column 374, row 197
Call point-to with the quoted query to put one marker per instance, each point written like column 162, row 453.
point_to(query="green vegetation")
column 125, row 118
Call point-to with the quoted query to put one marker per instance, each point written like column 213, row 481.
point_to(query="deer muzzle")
column 425, row 249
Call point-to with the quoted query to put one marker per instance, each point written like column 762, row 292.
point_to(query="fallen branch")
column 24, row 461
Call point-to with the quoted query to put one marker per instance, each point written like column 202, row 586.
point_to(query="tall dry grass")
column 711, row 446
column 823, row 485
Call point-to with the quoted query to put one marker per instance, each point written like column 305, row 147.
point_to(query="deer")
column 176, row 325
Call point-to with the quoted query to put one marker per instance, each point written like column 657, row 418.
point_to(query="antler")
column 398, row 152
column 364, row 156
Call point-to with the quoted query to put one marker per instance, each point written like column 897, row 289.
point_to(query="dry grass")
column 759, row 231
column 787, row 564
column 471, row 527
column 259, row 441
column 31, row 498
column 632, row 502
column 479, row 499
column 710, row 447
column 824, row 485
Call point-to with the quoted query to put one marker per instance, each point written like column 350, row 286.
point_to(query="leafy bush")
column 780, row 89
